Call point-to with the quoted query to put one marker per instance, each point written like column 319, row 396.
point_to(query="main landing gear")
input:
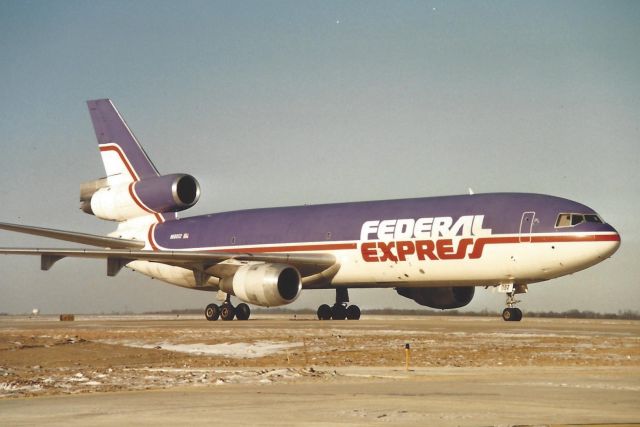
column 340, row 310
column 513, row 313
column 226, row 311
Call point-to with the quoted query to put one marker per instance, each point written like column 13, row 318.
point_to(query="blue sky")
column 283, row 103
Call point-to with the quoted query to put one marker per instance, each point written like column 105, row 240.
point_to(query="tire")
column 227, row 312
column 353, row 312
column 324, row 312
column 338, row 312
column 212, row 312
column 243, row 311
column 517, row 315
column 507, row 315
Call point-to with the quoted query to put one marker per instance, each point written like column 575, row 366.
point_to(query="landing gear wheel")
column 338, row 312
column 512, row 314
column 353, row 312
column 227, row 312
column 242, row 311
column 517, row 314
column 324, row 312
column 212, row 312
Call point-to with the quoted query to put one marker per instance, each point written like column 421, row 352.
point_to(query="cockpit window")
column 576, row 219
column 593, row 218
column 564, row 220
column 573, row 219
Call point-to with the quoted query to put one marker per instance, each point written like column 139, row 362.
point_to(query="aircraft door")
column 526, row 226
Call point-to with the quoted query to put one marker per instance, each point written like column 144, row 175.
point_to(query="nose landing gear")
column 340, row 310
column 513, row 313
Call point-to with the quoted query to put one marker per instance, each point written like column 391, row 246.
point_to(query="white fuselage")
column 509, row 258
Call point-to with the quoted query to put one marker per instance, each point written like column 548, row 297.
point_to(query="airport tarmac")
column 277, row 370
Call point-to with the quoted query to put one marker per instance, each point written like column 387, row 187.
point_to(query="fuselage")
column 482, row 239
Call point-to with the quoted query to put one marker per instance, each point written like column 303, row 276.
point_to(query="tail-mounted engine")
column 123, row 201
column 267, row 285
column 441, row 298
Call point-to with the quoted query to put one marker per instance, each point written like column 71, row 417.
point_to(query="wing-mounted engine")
column 123, row 201
column 264, row 284
column 441, row 298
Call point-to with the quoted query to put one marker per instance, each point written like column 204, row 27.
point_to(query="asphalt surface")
column 276, row 370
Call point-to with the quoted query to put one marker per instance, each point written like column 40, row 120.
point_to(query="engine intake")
column 267, row 285
column 441, row 298
column 166, row 193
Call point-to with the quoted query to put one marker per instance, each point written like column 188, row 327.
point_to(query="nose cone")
column 610, row 240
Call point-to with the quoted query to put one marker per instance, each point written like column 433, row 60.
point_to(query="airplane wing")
column 72, row 236
column 313, row 261
column 313, row 267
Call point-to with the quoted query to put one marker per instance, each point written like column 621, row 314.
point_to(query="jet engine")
column 441, row 298
column 119, row 202
column 267, row 285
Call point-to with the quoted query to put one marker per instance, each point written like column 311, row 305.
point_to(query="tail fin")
column 123, row 157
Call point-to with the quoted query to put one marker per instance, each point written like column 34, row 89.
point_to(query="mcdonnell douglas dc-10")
column 433, row 250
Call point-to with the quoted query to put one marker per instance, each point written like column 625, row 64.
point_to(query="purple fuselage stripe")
column 343, row 221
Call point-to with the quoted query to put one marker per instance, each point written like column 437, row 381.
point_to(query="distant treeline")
column 570, row 314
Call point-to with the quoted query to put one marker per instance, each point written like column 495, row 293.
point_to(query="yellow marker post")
column 304, row 348
column 407, row 356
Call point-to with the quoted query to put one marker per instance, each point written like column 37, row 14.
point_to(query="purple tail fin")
column 123, row 157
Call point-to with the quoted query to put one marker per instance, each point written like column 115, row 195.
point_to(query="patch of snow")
column 7, row 389
column 239, row 350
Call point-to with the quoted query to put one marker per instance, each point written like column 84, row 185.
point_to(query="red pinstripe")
column 123, row 158
column 482, row 241
column 135, row 178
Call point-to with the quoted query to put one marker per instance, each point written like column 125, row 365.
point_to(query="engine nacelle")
column 441, row 298
column 267, row 285
column 166, row 193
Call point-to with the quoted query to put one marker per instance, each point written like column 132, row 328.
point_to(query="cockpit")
column 573, row 219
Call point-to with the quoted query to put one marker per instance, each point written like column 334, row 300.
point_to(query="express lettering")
column 422, row 249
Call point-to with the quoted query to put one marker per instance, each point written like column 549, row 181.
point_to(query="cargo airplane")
column 433, row 250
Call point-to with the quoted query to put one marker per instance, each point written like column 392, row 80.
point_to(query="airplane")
column 433, row 250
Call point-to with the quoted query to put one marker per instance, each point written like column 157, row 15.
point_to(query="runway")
column 276, row 370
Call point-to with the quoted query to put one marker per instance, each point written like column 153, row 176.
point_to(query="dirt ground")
column 43, row 356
